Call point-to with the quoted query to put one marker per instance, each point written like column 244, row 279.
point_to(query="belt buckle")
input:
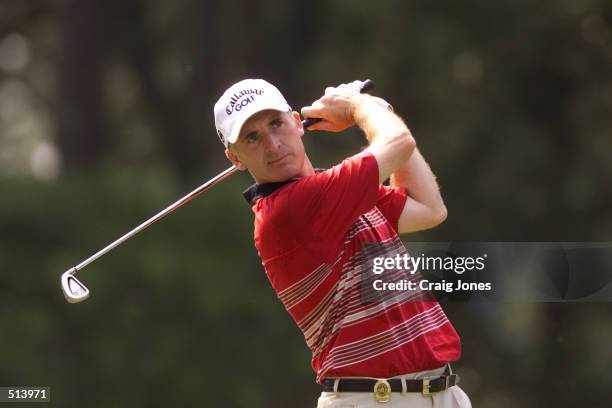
column 382, row 391
column 426, row 387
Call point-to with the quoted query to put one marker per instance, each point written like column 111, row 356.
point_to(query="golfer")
column 312, row 229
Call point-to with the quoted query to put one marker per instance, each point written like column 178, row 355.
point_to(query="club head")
column 73, row 289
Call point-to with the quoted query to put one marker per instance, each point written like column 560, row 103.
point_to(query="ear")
column 298, row 120
column 233, row 157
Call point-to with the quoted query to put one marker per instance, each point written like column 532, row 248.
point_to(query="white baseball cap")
column 241, row 101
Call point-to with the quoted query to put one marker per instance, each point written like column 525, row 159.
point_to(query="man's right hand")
column 336, row 108
column 343, row 106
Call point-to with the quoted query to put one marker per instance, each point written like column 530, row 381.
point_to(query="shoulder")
column 360, row 169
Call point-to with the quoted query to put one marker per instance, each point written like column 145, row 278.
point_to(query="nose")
column 272, row 142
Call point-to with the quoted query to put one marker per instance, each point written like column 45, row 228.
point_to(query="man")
column 314, row 232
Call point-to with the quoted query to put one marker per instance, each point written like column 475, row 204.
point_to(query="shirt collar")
column 257, row 191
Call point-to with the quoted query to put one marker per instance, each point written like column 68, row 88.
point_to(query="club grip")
column 368, row 84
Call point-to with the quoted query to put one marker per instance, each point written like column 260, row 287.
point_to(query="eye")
column 276, row 123
column 251, row 137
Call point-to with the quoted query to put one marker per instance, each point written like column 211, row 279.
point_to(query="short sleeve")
column 322, row 207
column 391, row 202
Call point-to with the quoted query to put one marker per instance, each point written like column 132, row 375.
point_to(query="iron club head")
column 73, row 289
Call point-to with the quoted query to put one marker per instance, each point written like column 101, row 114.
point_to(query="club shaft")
column 367, row 85
column 159, row 216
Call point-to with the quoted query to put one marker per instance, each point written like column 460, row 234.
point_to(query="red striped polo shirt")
column 310, row 234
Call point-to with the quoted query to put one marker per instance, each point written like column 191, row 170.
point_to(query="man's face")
column 270, row 147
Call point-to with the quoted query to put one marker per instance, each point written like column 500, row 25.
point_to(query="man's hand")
column 336, row 108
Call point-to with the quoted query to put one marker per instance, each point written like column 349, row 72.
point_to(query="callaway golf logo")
column 241, row 99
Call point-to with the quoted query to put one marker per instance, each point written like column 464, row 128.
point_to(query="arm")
column 424, row 206
column 390, row 141
column 393, row 146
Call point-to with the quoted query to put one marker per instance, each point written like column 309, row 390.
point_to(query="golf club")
column 76, row 292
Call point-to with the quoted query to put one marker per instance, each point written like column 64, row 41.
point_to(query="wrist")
column 364, row 107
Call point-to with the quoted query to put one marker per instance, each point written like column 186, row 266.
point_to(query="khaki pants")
column 454, row 397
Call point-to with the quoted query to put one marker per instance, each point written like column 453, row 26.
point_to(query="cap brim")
column 237, row 127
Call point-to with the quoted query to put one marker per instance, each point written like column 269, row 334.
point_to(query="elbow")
column 439, row 215
column 406, row 143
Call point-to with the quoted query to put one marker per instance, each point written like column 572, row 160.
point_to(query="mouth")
column 280, row 159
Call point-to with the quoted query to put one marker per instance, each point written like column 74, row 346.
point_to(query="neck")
column 307, row 170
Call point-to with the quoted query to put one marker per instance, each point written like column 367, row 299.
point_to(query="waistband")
column 425, row 382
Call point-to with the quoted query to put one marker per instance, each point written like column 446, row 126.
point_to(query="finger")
column 311, row 112
column 353, row 86
column 329, row 89
column 356, row 85
column 318, row 104
column 322, row 125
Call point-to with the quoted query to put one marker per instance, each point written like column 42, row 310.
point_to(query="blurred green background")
column 106, row 117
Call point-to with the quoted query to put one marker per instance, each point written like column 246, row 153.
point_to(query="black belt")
column 426, row 386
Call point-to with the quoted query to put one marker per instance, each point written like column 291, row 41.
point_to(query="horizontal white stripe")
column 404, row 326
column 329, row 366
column 380, row 346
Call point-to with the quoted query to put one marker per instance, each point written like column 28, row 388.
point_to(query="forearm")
column 377, row 122
column 413, row 173
column 417, row 178
column 390, row 139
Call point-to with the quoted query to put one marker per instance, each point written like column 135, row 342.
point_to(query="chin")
column 283, row 174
